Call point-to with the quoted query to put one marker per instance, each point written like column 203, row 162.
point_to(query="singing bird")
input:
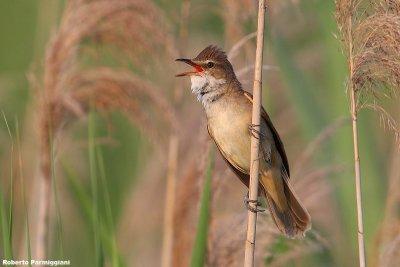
column 228, row 110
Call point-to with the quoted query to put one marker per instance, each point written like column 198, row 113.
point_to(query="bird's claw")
column 255, row 132
column 247, row 202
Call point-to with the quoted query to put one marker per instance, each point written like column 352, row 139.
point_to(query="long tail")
column 289, row 215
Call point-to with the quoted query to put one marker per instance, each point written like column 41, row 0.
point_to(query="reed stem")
column 255, row 140
column 173, row 149
column 166, row 259
column 353, row 103
column 44, row 192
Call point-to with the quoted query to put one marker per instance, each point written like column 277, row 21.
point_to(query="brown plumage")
column 228, row 109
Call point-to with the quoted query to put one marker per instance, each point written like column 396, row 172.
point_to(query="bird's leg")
column 254, row 132
column 247, row 202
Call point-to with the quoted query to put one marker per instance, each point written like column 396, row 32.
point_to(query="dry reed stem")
column 186, row 200
column 371, row 36
column 173, row 149
column 166, row 256
column 357, row 168
column 188, row 197
column 255, row 140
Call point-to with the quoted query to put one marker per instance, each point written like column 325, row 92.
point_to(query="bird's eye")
column 210, row 64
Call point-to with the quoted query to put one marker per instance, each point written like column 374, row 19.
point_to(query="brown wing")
column 277, row 139
column 243, row 176
column 240, row 173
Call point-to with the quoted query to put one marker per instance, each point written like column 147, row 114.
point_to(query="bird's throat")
column 206, row 88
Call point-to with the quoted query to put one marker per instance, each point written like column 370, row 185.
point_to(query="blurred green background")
column 308, row 88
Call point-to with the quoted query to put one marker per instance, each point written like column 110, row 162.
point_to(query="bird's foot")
column 247, row 202
column 255, row 131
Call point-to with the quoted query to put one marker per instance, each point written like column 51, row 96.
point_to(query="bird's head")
column 211, row 72
column 211, row 62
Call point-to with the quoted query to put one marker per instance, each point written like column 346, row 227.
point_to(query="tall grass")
column 103, row 240
column 101, row 52
column 199, row 252
column 6, row 218
column 99, row 258
column 63, row 100
column 115, row 258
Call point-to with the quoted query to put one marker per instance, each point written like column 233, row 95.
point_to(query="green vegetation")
column 109, row 154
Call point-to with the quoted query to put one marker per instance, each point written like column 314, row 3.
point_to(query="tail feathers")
column 294, row 221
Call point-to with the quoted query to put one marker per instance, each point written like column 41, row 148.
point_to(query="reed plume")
column 371, row 37
column 375, row 49
column 173, row 152
column 70, row 87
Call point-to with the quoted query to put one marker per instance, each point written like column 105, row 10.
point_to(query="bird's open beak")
column 197, row 68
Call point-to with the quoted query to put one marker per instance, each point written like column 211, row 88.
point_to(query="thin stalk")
column 94, row 188
column 166, row 260
column 44, row 190
column 173, row 148
column 8, row 226
column 353, row 103
column 255, row 139
column 59, row 227
column 109, row 217
column 43, row 218
column 21, row 176
column 4, row 228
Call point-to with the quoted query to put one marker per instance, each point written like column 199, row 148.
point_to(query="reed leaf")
column 200, row 243
column 115, row 258
column 7, row 221
column 95, row 189
column 5, row 228
column 84, row 203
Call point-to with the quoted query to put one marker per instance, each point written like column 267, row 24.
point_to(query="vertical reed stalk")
column 255, row 139
column 21, row 176
column 353, row 103
column 168, row 231
column 166, row 260
column 44, row 193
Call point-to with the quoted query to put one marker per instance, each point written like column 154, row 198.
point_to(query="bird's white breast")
column 205, row 86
